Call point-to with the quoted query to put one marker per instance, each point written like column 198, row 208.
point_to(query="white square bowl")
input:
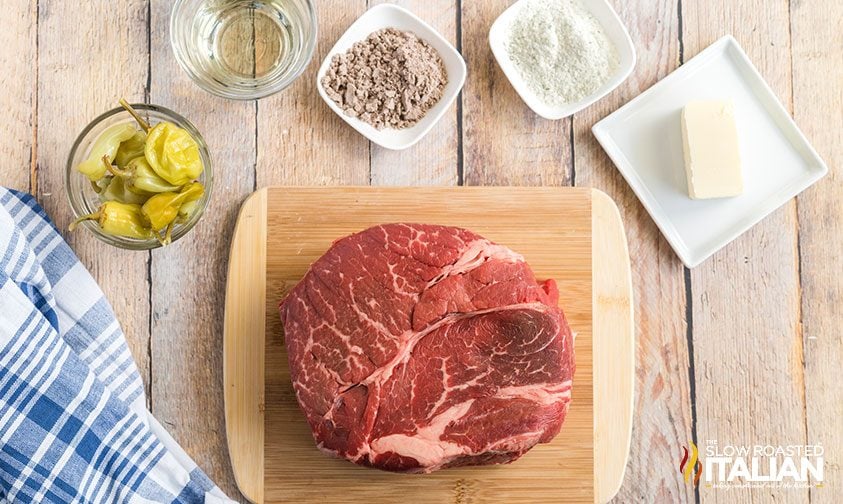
column 644, row 140
column 615, row 31
column 392, row 16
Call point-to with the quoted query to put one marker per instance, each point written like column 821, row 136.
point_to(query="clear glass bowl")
column 243, row 49
column 84, row 200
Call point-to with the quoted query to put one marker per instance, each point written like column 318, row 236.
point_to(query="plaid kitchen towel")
column 73, row 422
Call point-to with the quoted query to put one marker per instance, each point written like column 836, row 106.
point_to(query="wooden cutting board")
column 573, row 235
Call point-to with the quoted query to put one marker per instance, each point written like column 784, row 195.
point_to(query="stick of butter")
column 712, row 156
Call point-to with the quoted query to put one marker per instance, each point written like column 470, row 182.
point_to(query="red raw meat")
column 414, row 348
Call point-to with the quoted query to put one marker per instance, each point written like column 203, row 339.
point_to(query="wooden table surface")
column 743, row 349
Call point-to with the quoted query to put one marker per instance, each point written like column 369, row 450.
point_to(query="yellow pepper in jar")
column 116, row 190
column 106, row 145
column 130, row 149
column 173, row 154
column 140, row 178
column 119, row 219
column 162, row 209
column 146, row 180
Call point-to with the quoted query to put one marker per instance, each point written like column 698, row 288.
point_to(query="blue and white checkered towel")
column 73, row 422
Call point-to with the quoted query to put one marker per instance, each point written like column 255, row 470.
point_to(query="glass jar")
column 84, row 200
column 243, row 49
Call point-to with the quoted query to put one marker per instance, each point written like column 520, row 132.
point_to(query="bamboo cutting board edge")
column 613, row 327
column 245, row 305
column 612, row 305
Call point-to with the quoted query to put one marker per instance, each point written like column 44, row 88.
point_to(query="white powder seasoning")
column 560, row 50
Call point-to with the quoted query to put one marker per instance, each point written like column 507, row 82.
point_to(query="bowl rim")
column 550, row 112
column 376, row 136
column 131, row 243
column 268, row 90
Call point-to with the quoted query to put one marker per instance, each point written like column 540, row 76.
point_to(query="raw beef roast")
column 414, row 348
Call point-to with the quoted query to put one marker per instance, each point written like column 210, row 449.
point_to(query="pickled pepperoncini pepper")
column 186, row 211
column 115, row 188
column 173, row 154
column 162, row 209
column 140, row 178
column 106, row 145
column 145, row 179
column 130, row 149
column 119, row 219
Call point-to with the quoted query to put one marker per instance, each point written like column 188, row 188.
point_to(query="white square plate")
column 615, row 31
column 386, row 16
column 644, row 140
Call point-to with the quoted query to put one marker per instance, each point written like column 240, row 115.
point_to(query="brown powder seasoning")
column 389, row 80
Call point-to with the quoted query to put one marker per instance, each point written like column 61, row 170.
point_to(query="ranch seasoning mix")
column 560, row 50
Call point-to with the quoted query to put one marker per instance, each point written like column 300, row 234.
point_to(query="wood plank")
column 300, row 141
column 72, row 93
column 18, row 59
column 433, row 161
column 504, row 142
column 745, row 300
column 817, row 38
column 188, row 277
column 303, row 223
column 663, row 421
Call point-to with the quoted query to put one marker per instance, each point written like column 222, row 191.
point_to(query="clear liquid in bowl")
column 243, row 48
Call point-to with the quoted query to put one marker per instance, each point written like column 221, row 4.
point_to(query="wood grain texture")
column 243, row 351
column 188, row 278
column 746, row 391
column 748, row 349
column 663, row 415
column 614, row 328
column 504, row 142
column 303, row 222
column 299, row 139
column 817, row 38
column 18, row 59
column 70, row 95
column 433, row 161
